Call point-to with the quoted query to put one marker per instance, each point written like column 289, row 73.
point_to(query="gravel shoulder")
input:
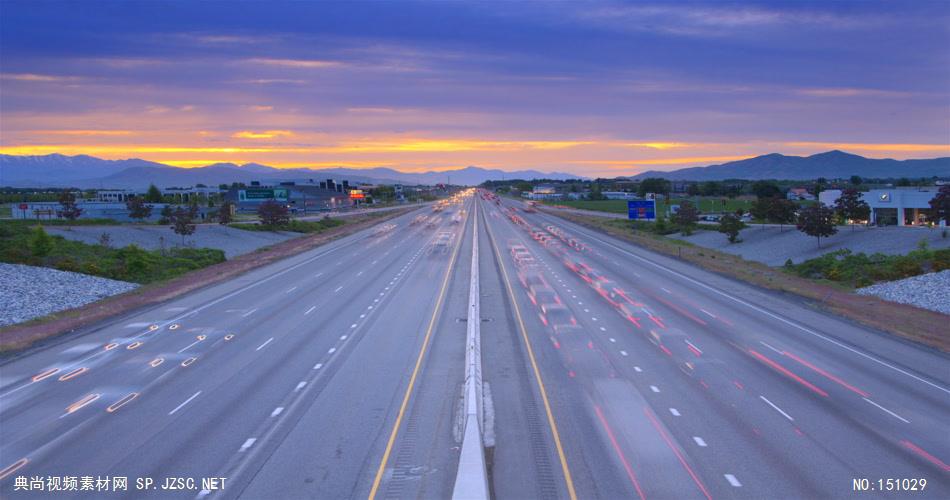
column 772, row 245
column 232, row 241
column 31, row 292
column 927, row 291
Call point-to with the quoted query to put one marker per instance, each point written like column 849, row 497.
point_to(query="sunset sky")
column 591, row 88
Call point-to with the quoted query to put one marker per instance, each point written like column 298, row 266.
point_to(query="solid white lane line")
column 318, row 275
column 317, row 366
column 665, row 290
column 786, row 415
column 195, row 395
column 291, row 289
column 889, row 412
column 301, row 385
column 247, row 444
column 264, row 344
column 654, row 388
column 770, row 347
column 338, row 289
column 699, row 441
column 277, row 411
column 183, row 349
column 711, row 315
column 310, row 310
column 675, row 412
column 732, row 480
column 249, row 313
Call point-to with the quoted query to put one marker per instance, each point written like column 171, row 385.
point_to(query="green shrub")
column 859, row 270
column 23, row 244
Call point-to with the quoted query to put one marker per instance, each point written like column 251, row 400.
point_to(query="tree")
column 781, row 212
column 41, row 244
column 153, row 195
column 657, row 185
column 166, row 214
column 273, row 214
column 596, row 193
column 817, row 221
column 182, row 220
column 850, row 206
column 765, row 189
column 686, row 217
column 70, row 210
column 940, row 206
column 760, row 209
column 710, row 188
column 693, row 189
column 730, row 225
column 224, row 213
column 856, row 180
column 138, row 209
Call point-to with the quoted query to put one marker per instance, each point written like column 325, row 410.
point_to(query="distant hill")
column 831, row 165
column 83, row 171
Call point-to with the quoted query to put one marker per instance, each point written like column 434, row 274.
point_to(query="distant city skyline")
column 592, row 89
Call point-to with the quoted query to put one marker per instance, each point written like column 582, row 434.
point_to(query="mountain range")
column 82, row 171
column 830, row 165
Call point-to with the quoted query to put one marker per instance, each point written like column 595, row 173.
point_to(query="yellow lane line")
column 415, row 370
column 537, row 373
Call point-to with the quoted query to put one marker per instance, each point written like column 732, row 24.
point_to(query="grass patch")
column 25, row 244
column 858, row 270
column 295, row 226
column 59, row 222
column 706, row 205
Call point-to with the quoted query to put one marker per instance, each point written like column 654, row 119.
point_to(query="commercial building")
column 895, row 206
column 620, row 195
column 302, row 198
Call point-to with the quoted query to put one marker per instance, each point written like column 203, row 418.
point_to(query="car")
column 675, row 343
column 516, row 249
column 531, row 277
column 608, row 290
column 556, row 314
column 587, row 273
column 543, row 294
column 626, row 311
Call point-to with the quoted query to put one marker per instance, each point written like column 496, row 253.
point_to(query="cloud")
column 848, row 92
column 266, row 134
column 294, row 63
column 84, row 132
column 716, row 20
column 33, row 77
column 260, row 108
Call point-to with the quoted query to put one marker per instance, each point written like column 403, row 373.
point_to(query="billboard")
column 262, row 194
column 641, row 209
column 357, row 194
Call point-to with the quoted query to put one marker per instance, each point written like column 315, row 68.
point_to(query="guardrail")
column 471, row 479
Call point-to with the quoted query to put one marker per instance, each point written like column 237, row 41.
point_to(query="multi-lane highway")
column 612, row 372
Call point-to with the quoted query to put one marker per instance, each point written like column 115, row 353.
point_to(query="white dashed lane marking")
column 277, row 411
column 732, row 480
column 699, row 441
column 264, row 344
column 247, row 444
column 675, row 412
column 786, row 415
column 654, row 388
column 338, row 289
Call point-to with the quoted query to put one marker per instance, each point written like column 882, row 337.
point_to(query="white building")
column 620, row 195
column 900, row 206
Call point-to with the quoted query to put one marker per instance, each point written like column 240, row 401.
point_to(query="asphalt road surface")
column 613, row 373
